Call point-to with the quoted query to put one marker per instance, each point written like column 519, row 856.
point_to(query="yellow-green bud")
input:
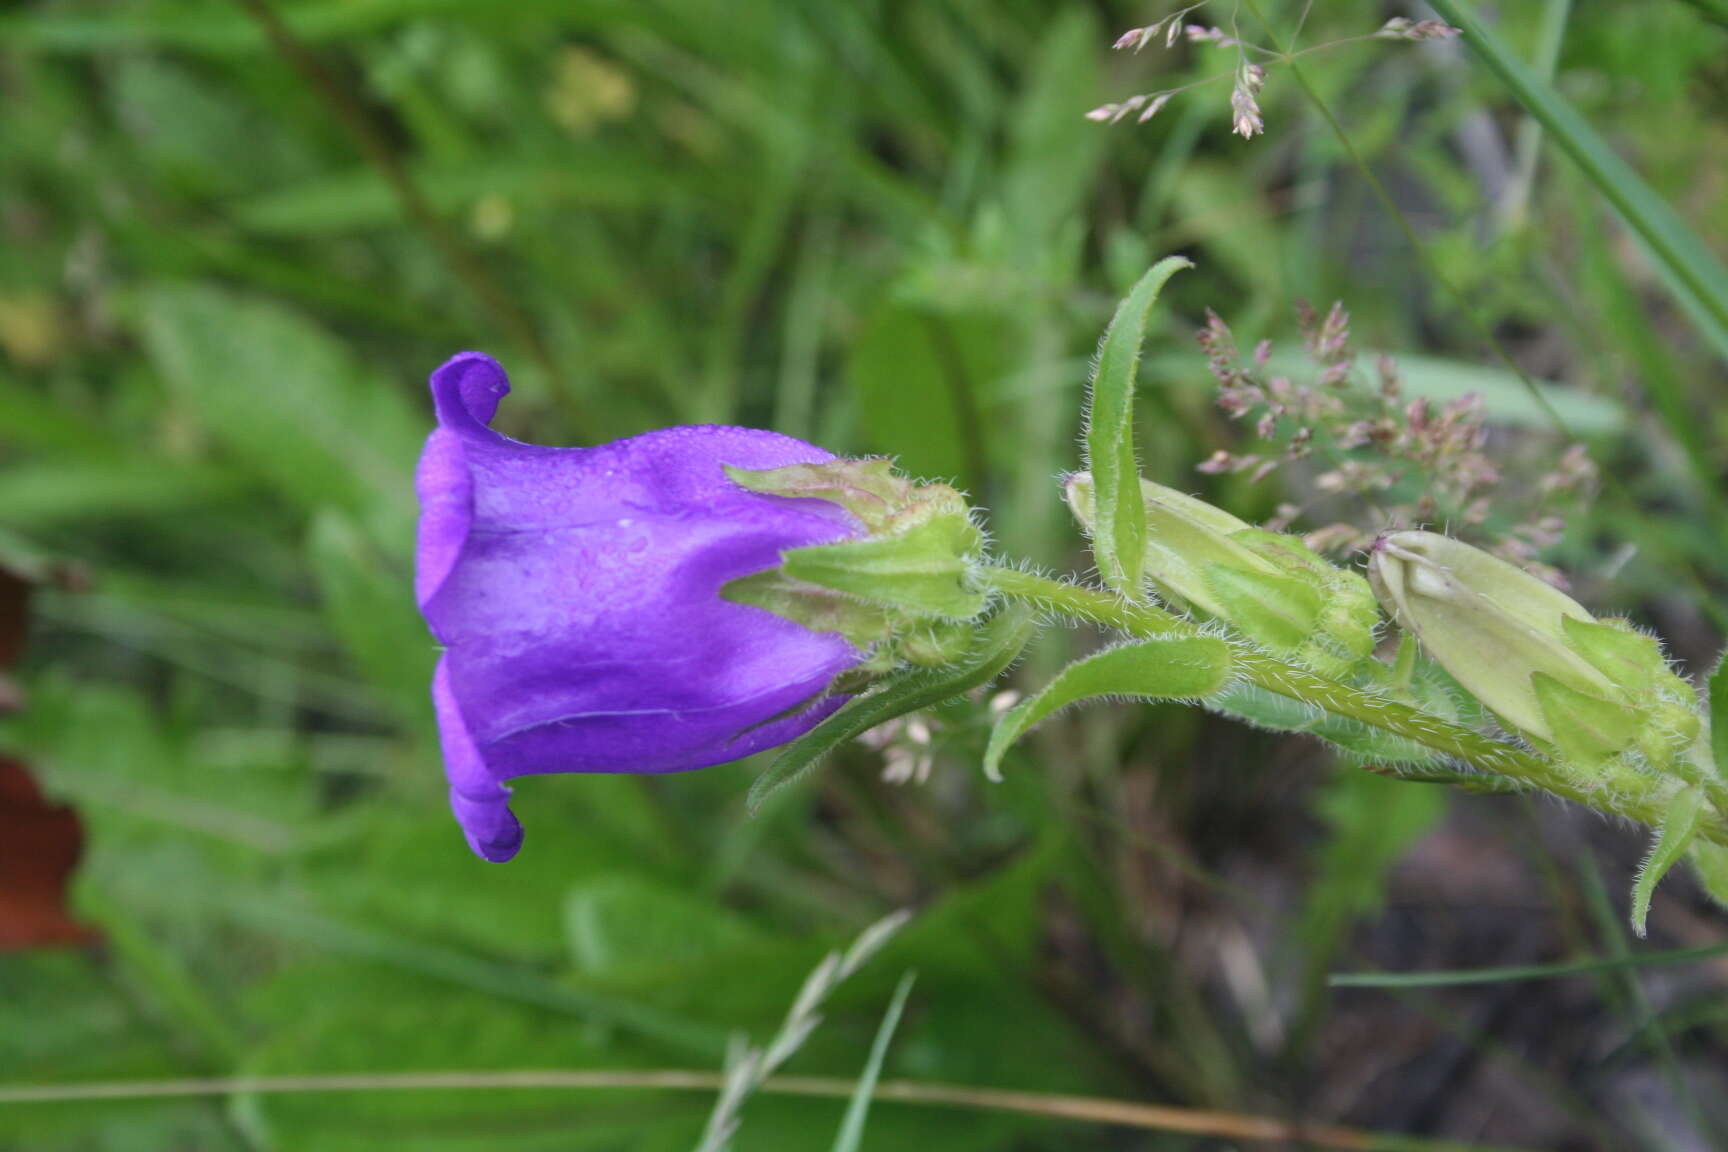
column 1271, row 588
column 1591, row 689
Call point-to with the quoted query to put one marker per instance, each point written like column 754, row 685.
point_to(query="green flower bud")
column 902, row 590
column 1592, row 690
column 1271, row 588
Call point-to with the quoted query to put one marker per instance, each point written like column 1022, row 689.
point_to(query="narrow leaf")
column 997, row 646
column 1166, row 668
column 1672, row 840
column 852, row 1128
column 1119, row 534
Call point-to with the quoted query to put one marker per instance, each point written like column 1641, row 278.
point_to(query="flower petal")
column 446, row 491
column 466, row 390
column 478, row 798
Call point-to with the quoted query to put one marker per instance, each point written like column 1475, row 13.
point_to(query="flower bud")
column 1590, row 689
column 1271, row 588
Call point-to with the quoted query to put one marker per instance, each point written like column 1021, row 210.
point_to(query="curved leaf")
column 1166, row 668
column 1672, row 840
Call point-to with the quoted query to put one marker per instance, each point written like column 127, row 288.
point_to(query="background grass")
column 230, row 256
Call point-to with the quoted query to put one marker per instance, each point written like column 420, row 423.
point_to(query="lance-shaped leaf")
column 1119, row 535
column 1165, row 668
column 1672, row 840
column 996, row 647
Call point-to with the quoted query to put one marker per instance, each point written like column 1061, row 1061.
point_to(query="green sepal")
column 994, row 648
column 1678, row 829
column 1342, row 636
column 921, row 569
column 1632, row 660
column 817, row 608
column 932, row 643
column 1271, row 609
column 1163, row 668
column 1586, row 730
column 865, row 487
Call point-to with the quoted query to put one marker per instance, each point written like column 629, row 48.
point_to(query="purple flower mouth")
column 576, row 593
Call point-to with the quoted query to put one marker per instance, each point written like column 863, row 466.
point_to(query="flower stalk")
column 1626, row 793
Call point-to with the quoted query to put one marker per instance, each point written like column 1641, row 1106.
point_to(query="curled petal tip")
column 489, row 826
column 466, row 390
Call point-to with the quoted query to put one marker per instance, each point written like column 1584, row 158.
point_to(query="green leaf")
column 1166, row 668
column 1672, row 840
column 852, row 1128
column 1119, row 534
column 998, row 645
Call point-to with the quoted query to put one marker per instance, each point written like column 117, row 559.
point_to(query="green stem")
column 1636, row 797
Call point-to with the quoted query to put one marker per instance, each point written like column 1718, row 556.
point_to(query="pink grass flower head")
column 576, row 594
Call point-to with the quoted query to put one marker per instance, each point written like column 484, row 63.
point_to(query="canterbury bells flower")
column 576, row 593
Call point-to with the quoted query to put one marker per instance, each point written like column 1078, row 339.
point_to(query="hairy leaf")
column 1672, row 840
column 1119, row 535
column 1166, row 668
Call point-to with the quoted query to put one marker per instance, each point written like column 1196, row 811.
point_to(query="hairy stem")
column 1627, row 794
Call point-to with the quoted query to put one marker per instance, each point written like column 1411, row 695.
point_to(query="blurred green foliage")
column 880, row 224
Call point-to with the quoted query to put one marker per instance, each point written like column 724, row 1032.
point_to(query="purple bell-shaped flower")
column 576, row 593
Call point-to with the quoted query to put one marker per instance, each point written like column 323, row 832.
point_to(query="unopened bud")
column 1269, row 587
column 1532, row 655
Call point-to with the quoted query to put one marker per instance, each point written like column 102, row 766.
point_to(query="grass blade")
column 852, row 1128
column 1463, row 976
